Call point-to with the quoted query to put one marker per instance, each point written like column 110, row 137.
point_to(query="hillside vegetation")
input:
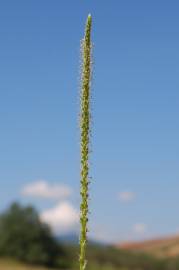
column 103, row 258
column 110, row 258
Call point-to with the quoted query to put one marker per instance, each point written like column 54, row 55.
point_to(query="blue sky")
column 135, row 157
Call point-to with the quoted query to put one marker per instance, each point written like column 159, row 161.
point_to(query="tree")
column 24, row 237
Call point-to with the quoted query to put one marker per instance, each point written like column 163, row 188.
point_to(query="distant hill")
column 161, row 247
column 71, row 238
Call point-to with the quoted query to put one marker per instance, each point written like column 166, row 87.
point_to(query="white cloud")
column 43, row 189
column 126, row 196
column 140, row 228
column 62, row 218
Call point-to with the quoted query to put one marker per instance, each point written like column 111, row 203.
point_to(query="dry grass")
column 6, row 264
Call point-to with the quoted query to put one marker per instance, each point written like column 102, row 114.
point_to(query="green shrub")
column 24, row 237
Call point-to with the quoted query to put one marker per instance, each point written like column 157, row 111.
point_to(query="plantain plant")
column 85, row 119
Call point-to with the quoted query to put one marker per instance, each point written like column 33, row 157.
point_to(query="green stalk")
column 85, row 139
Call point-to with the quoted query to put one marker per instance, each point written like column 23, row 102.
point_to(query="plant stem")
column 85, row 139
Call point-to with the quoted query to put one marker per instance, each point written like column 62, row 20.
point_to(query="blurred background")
column 134, row 222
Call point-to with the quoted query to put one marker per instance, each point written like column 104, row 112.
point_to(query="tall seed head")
column 85, row 138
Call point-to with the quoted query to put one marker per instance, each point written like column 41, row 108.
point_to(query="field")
column 6, row 264
column 111, row 258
